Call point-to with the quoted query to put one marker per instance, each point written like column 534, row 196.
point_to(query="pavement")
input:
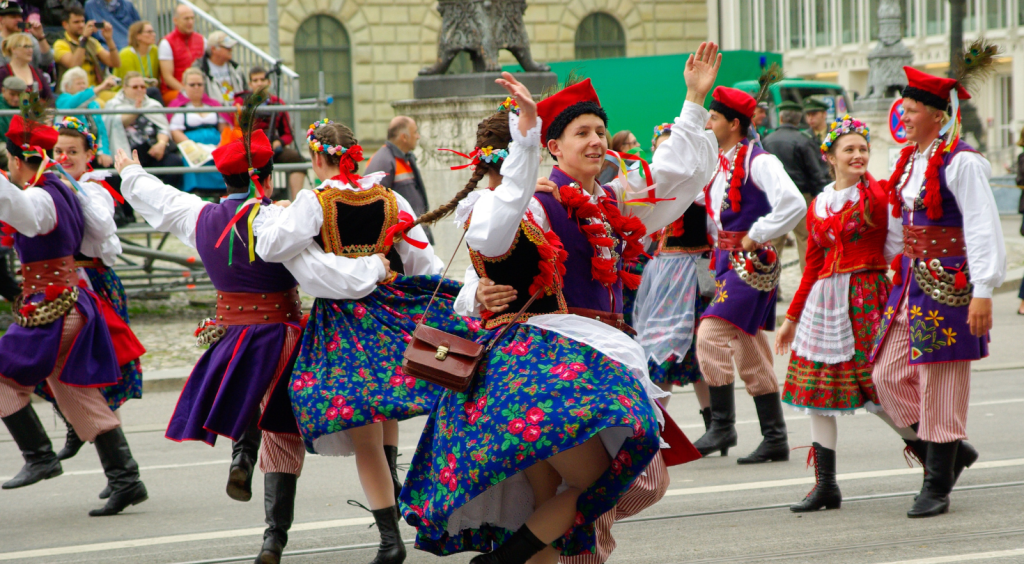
column 715, row 510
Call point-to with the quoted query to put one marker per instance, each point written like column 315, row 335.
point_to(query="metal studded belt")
column 932, row 241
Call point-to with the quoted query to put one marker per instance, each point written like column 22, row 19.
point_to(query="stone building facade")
column 382, row 44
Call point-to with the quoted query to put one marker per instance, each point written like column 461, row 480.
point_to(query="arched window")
column 600, row 36
column 321, row 44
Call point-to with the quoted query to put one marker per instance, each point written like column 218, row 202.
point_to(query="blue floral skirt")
column 349, row 370
column 537, row 393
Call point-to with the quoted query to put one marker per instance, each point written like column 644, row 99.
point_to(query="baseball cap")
column 220, row 39
column 14, row 83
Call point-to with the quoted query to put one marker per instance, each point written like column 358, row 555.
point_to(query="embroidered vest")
column 356, row 223
column 861, row 245
column 754, row 202
column 688, row 234
column 951, row 216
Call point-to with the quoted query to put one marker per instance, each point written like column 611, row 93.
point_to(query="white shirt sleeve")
column 788, row 205
column 164, row 207
column 682, row 165
column 282, row 233
column 416, row 261
column 177, row 122
column 31, row 211
column 164, row 51
column 967, row 177
column 497, row 213
column 100, row 237
column 894, row 238
column 465, row 303
column 329, row 276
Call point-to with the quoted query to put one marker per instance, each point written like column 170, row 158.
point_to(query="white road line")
column 841, row 477
column 336, row 523
column 964, row 557
column 141, row 469
column 998, row 402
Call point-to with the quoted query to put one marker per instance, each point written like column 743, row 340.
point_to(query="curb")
column 167, row 380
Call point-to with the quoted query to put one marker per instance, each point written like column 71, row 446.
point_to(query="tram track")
column 726, row 559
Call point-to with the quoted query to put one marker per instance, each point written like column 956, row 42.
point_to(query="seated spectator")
column 13, row 88
column 18, row 50
column 278, row 129
column 120, row 14
column 11, row 21
column 223, row 78
column 75, row 93
column 78, row 49
column 178, row 50
column 50, row 13
column 140, row 56
column 149, row 134
column 203, row 128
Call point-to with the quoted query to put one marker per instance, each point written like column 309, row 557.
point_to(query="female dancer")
column 557, row 401
column 832, row 320
column 348, row 390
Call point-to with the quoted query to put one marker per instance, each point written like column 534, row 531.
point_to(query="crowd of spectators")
column 104, row 55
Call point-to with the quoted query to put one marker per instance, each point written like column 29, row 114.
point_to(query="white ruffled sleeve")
column 282, row 233
column 465, row 303
column 967, row 176
column 788, row 205
column 329, row 276
column 164, row 207
column 100, row 237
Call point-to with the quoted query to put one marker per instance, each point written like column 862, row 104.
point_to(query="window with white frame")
column 1004, row 104
column 971, row 15
column 934, row 17
column 872, row 9
column 771, row 25
column 797, row 24
column 823, row 23
column 909, row 19
column 850, row 22
column 995, row 14
column 747, row 24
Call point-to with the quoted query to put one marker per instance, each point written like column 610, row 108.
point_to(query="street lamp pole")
column 957, row 14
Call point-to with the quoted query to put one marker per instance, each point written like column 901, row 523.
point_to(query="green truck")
column 798, row 90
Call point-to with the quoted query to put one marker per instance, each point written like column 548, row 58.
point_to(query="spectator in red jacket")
column 278, row 128
column 178, row 50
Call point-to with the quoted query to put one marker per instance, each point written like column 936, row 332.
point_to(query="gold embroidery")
column 331, row 198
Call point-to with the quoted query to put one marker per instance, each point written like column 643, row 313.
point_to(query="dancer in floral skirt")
column 562, row 398
column 348, row 390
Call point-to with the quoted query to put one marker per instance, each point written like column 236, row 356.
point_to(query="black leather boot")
column 826, row 491
column 519, row 548
column 279, row 505
column 72, row 444
column 705, row 413
column 391, row 549
column 243, row 461
column 37, row 450
column 966, row 455
column 938, row 481
column 122, row 474
column 391, row 452
column 722, row 433
column 775, row 446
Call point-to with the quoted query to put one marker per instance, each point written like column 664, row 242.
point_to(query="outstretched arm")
column 164, row 207
column 30, row 211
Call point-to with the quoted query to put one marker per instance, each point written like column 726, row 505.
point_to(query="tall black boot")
column 938, row 481
column 517, row 550
column 722, row 433
column 40, row 461
column 72, row 444
column 279, row 505
column 705, row 413
column 826, row 491
column 243, row 461
column 775, row 446
column 391, row 549
column 966, row 455
column 391, row 452
column 122, row 474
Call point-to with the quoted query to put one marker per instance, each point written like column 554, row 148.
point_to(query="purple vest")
column 933, row 325
column 754, row 202
column 241, row 275
column 579, row 288
column 66, row 237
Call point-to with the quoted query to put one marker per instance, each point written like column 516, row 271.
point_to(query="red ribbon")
column 405, row 222
column 234, row 220
column 474, row 157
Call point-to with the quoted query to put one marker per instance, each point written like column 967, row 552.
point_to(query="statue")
column 482, row 28
column 886, row 61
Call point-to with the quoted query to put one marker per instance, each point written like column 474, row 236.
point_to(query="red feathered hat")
column 733, row 103
column 551, row 107
column 25, row 134
column 231, row 158
column 932, row 90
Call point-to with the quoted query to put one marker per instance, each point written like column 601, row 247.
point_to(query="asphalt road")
column 716, row 511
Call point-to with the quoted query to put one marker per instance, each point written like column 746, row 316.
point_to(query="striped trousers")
column 933, row 395
column 644, row 492
column 720, row 344
column 281, row 452
column 85, row 408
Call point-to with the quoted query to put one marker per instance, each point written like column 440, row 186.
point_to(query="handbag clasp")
column 442, row 353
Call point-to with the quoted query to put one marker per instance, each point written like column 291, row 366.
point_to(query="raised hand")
column 121, row 160
column 701, row 72
column 521, row 94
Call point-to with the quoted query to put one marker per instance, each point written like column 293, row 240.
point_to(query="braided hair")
column 338, row 135
column 492, row 132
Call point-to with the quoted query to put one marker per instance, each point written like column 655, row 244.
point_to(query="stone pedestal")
column 449, row 123
column 884, row 150
column 475, row 84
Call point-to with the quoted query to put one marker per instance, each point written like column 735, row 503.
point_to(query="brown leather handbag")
column 442, row 358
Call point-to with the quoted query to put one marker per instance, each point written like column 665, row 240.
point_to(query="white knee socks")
column 824, row 430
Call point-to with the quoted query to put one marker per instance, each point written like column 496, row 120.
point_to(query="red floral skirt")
column 846, row 386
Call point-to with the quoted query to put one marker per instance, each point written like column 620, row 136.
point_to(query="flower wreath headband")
column 488, row 155
column 353, row 154
column 841, row 127
column 79, row 126
column 660, row 130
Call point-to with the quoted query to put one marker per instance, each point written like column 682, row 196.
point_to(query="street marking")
column 998, row 402
column 143, row 468
column 841, row 477
column 964, row 557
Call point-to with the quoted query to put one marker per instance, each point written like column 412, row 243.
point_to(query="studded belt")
column 38, row 275
column 932, row 241
column 245, row 308
column 731, row 240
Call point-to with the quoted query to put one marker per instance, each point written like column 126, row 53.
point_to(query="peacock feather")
column 769, row 76
column 35, row 111
column 975, row 63
column 247, row 118
column 574, row 77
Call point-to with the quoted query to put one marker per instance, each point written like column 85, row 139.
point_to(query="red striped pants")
column 644, row 492
column 282, row 452
column 933, row 395
column 85, row 408
column 720, row 344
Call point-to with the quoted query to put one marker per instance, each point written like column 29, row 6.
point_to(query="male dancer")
column 940, row 309
column 751, row 201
